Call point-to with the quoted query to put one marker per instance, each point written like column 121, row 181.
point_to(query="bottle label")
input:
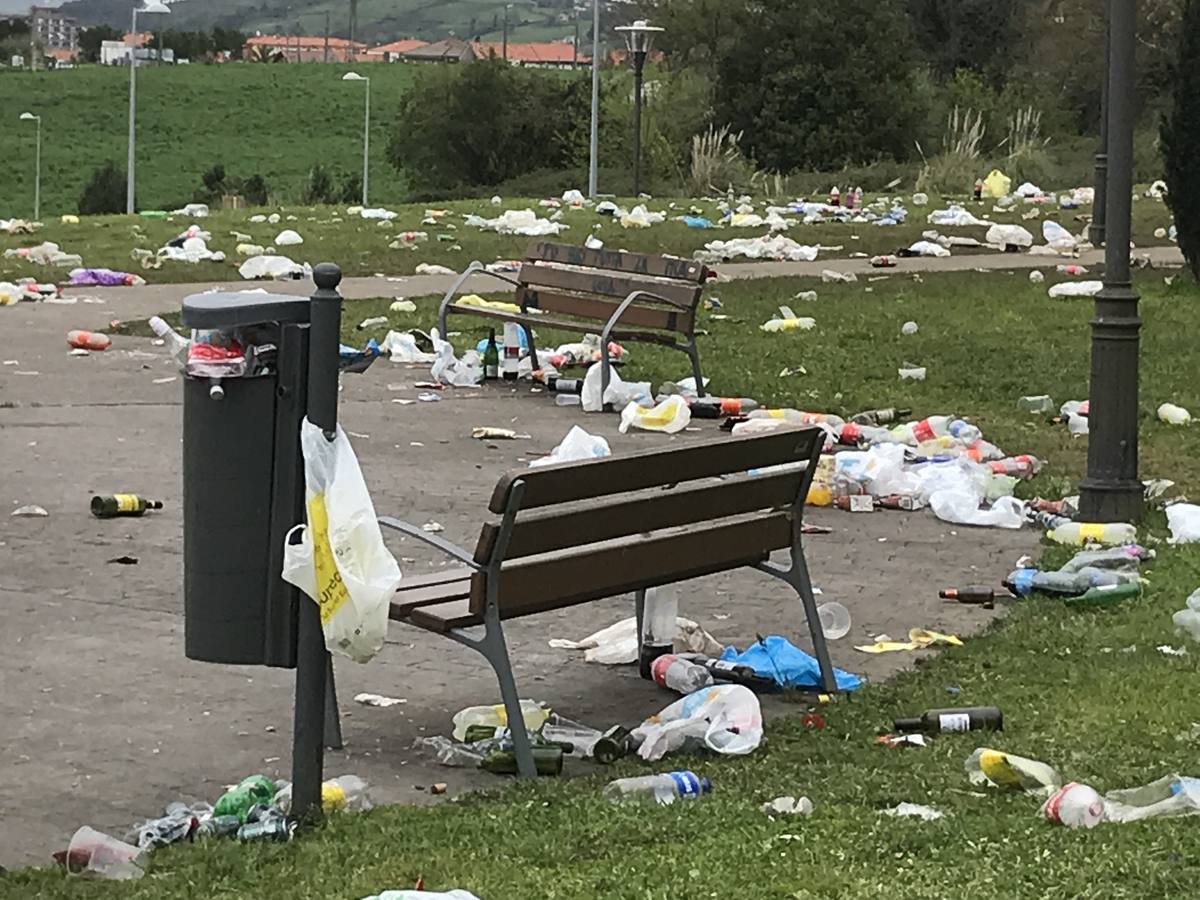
column 722, row 665
column 862, row 503
column 687, row 785
column 126, row 502
column 731, row 406
column 491, row 370
column 922, row 431
column 1091, row 531
column 954, row 722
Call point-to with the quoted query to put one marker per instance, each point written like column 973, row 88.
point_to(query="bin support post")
column 312, row 659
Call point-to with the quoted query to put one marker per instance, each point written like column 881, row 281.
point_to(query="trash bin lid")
column 232, row 309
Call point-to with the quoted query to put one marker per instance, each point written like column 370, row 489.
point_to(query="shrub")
column 319, row 189
column 104, row 192
column 255, row 191
column 1181, row 137
column 955, row 168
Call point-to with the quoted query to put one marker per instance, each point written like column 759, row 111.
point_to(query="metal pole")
column 1096, row 228
column 132, row 106
column 594, row 149
column 37, row 175
column 367, row 144
column 639, row 60
column 312, row 659
column 505, row 45
column 575, row 43
column 326, row 35
column 1111, row 492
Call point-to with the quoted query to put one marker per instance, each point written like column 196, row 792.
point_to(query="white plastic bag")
column 1058, row 237
column 671, row 415
column 577, row 445
column 725, row 718
column 619, row 393
column 962, row 508
column 1004, row 235
column 1171, row 795
column 1184, row 521
column 1075, row 289
column 341, row 561
column 618, row 643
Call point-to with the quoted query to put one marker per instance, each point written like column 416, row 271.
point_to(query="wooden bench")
column 576, row 532
column 626, row 296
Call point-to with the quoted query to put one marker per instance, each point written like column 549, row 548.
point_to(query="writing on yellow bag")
column 331, row 590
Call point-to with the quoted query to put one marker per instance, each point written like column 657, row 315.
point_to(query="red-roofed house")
column 393, row 51
column 542, row 53
column 301, row 48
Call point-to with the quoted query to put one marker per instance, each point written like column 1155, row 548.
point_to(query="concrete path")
column 153, row 298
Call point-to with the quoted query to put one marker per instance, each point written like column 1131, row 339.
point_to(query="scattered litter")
column 788, row 806
column 378, row 700
column 1184, row 521
column 31, row 511
column 1169, row 796
column 918, row 639
column 1174, row 415
column 1036, row 277
column 92, row 853
column 1168, row 650
column 776, row 247
column 483, row 433
column 277, row 267
column 786, row 320
column 829, row 276
column 1187, row 620
column 432, row 527
column 402, row 348
column 911, row 373
column 1074, row 805
column 995, row 768
column 915, row 810
column 428, row 398
column 902, row 740
column 618, row 643
column 88, row 340
column 433, row 269
column 402, row 306
column 1009, row 236
column 103, row 278
column 577, row 445
column 372, row 322
column 1075, row 289
column 726, row 719
column 909, row 328
column 670, row 416
column 777, row 658
column 517, row 221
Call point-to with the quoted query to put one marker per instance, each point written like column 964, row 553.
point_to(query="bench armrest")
column 433, row 540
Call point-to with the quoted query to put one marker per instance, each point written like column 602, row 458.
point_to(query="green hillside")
column 277, row 121
column 378, row 20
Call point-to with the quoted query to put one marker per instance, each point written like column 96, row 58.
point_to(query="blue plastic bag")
column 776, row 657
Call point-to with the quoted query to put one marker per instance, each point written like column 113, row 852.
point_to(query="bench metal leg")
column 694, row 356
column 528, row 329
column 798, row 578
column 333, row 718
column 493, row 647
column 639, row 610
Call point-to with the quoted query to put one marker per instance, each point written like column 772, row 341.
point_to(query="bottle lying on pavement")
column 109, row 507
column 678, row 674
column 966, row 718
column 983, row 596
column 663, row 789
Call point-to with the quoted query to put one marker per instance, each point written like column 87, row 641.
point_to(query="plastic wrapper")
column 670, row 416
column 726, row 719
column 577, row 445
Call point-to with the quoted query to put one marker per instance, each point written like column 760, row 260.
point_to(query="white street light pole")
column 37, row 171
column 354, row 76
column 594, row 153
column 152, row 6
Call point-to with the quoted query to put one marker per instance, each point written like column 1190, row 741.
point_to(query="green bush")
column 1181, row 138
column 104, row 193
column 319, row 190
column 255, row 191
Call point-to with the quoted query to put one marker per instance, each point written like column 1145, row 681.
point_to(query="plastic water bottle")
column 799, row 417
column 856, row 435
column 1079, row 533
column 1023, row 582
column 1074, row 805
column 1023, row 466
column 680, row 675
column 1125, row 558
column 659, row 624
column 935, row 427
column 663, row 789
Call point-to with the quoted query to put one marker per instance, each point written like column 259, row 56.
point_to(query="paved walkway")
column 105, row 721
column 153, row 298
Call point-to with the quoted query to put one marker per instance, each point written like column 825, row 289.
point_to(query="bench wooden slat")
column 535, row 321
column 654, row 468
column 407, row 601
column 606, row 284
column 602, row 522
column 544, row 583
column 444, row 616
column 615, row 260
column 441, row 576
column 600, row 309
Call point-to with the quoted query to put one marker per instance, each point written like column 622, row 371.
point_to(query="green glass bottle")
column 491, row 358
column 113, row 505
column 547, row 761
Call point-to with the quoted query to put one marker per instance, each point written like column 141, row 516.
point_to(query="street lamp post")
column 637, row 38
column 37, row 166
column 594, row 147
column 1100, row 200
column 152, row 6
column 354, row 76
column 1111, row 491
column 504, row 45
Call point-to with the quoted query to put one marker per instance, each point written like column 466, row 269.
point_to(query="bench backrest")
column 603, row 527
column 591, row 284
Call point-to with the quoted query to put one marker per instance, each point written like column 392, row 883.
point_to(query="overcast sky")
column 22, row 6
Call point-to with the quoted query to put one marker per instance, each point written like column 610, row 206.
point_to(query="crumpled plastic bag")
column 929, row 248
column 726, row 719
column 962, row 508
column 619, row 394
column 670, row 416
column 786, row 320
column 995, row 768
column 1187, row 619
column 640, row 217
column 879, row 470
column 272, row 267
column 775, row 246
column 1005, row 235
column 1184, row 521
column 288, row 238
column 1058, row 237
column 778, row 658
column 996, row 185
column 618, row 643
column 918, row 639
column 954, row 215
column 402, row 347
column 449, row 369
column 1170, row 796
column 518, row 221
column 577, row 445
column 1075, row 289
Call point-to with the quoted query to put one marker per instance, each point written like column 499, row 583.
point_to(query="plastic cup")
column 835, row 620
column 96, row 854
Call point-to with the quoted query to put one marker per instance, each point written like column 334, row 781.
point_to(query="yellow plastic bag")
column 670, row 416
column 918, row 639
column 476, row 300
column 996, row 185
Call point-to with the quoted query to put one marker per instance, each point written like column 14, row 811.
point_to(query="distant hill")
column 378, row 20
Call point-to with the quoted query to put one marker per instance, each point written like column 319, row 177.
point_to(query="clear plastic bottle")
column 935, row 427
column 1079, row 533
column 1023, row 582
column 1023, row 466
column 856, row 435
column 680, row 675
column 582, row 739
column 346, row 792
column 177, row 344
column 663, row 789
column 659, row 624
column 799, row 417
column 1074, row 805
column 1125, row 557
column 533, row 713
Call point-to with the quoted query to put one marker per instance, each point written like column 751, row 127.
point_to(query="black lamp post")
column 1111, row 491
column 637, row 38
column 1096, row 228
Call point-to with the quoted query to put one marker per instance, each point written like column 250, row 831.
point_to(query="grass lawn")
column 1085, row 691
column 360, row 246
